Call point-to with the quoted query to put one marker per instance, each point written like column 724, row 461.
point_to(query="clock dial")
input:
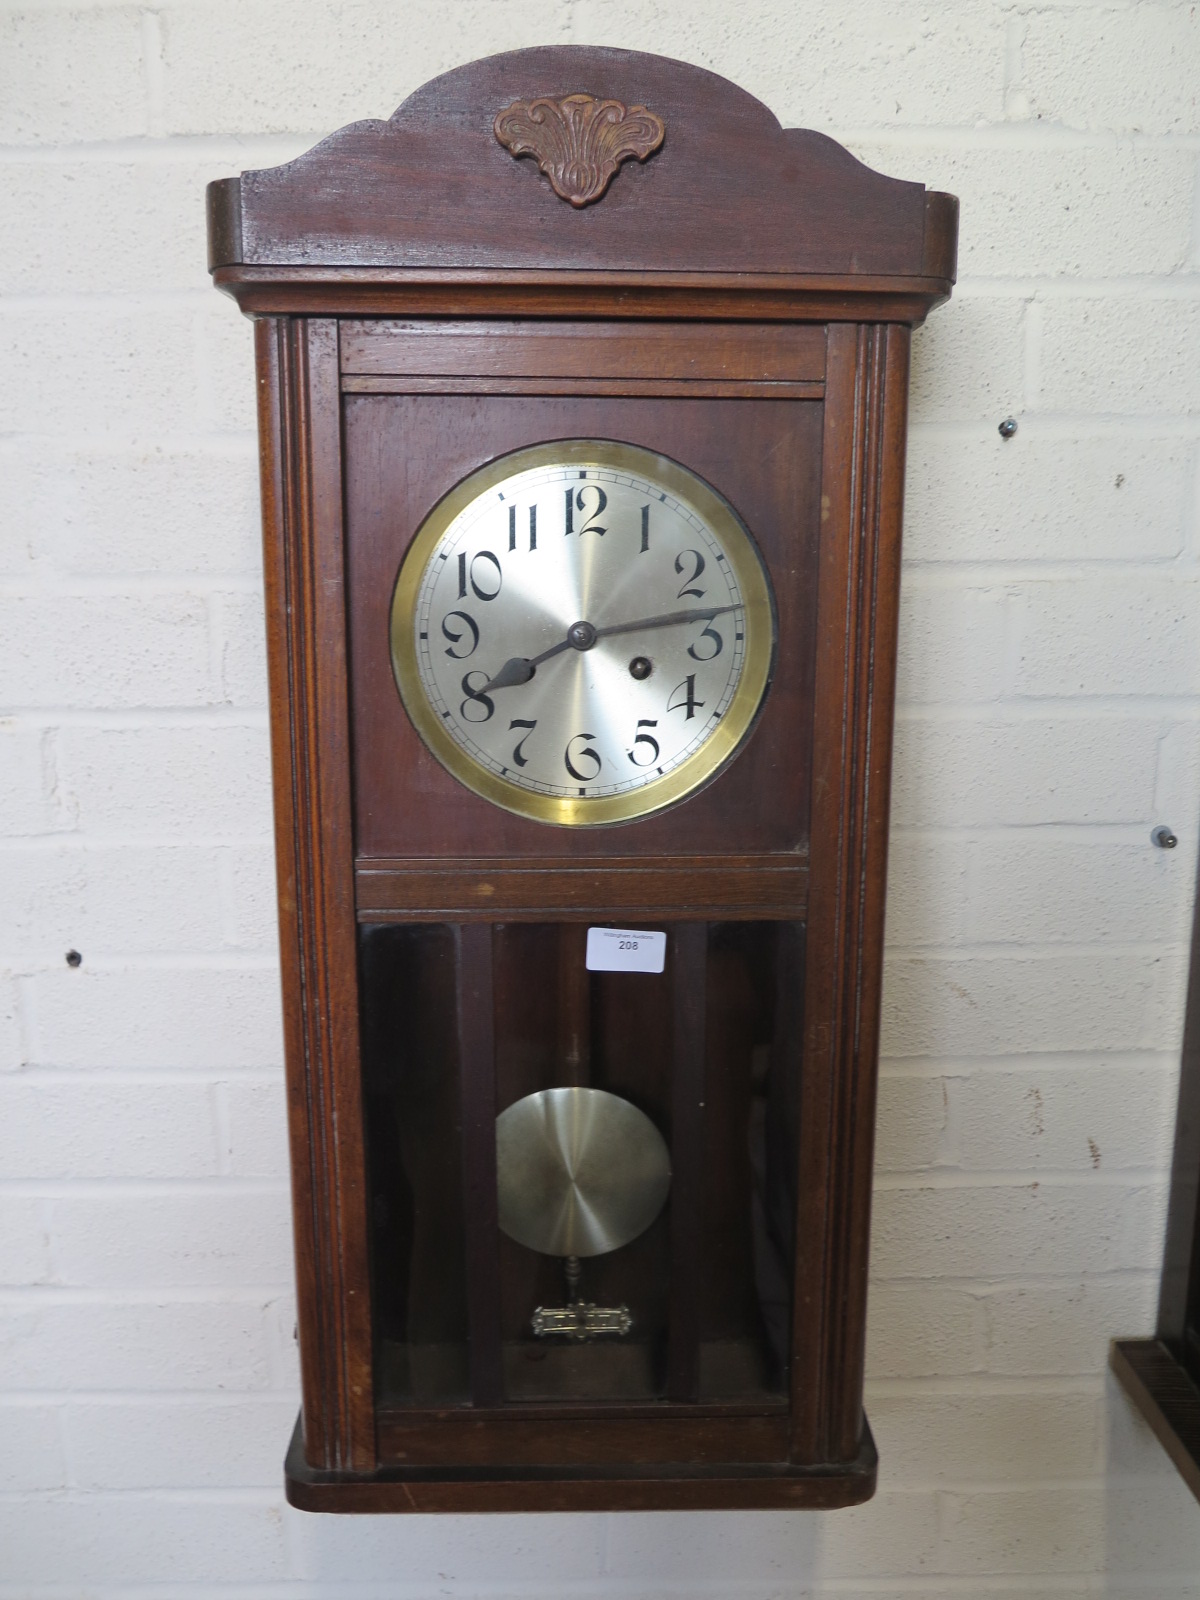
column 582, row 632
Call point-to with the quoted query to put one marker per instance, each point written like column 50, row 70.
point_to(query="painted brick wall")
column 1050, row 693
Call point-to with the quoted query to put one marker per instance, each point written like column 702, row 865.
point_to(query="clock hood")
column 579, row 160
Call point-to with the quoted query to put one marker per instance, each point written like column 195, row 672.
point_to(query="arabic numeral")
column 456, row 637
column 475, row 698
column 688, row 703
column 479, row 580
column 689, row 581
column 571, row 755
column 646, row 739
column 578, row 502
column 718, row 644
column 512, row 527
column 520, row 759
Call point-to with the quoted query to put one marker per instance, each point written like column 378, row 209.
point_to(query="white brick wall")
column 1050, row 716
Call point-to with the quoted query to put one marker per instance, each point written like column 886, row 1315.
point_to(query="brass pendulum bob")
column 579, row 1171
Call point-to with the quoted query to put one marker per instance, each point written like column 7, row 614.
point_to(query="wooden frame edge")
column 759, row 297
column 1167, row 1398
column 671, row 1488
column 302, row 527
column 861, row 497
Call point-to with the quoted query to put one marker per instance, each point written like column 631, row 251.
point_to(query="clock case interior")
column 433, row 943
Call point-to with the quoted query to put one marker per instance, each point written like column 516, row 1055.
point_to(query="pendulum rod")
column 574, row 1053
column 574, row 1272
column 574, row 1040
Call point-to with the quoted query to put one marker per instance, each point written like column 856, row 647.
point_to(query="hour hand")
column 517, row 669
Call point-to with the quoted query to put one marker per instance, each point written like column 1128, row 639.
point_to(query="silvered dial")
column 582, row 632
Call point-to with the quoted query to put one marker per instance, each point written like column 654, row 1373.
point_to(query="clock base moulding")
column 512, row 1489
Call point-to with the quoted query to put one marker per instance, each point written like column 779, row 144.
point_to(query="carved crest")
column 579, row 141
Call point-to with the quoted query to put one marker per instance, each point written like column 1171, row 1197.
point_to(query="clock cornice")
column 734, row 215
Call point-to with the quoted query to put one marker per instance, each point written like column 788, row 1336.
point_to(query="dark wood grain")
column 656, row 1409
column 404, row 453
column 301, row 479
column 750, row 297
column 489, row 1439
column 539, row 889
column 862, row 485
column 623, row 1487
column 729, row 190
column 940, row 258
column 1167, row 1396
column 653, row 388
column 879, row 507
column 598, row 350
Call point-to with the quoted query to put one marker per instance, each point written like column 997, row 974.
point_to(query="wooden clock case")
column 739, row 298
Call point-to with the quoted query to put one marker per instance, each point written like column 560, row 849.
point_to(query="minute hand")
column 520, row 669
column 668, row 619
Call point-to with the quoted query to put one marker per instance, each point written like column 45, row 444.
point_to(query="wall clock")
column 582, row 411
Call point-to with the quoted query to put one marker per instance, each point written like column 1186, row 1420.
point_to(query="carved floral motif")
column 579, row 141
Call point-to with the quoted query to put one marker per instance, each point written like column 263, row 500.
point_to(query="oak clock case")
column 582, row 406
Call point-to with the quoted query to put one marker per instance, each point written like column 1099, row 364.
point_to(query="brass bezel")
column 730, row 733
